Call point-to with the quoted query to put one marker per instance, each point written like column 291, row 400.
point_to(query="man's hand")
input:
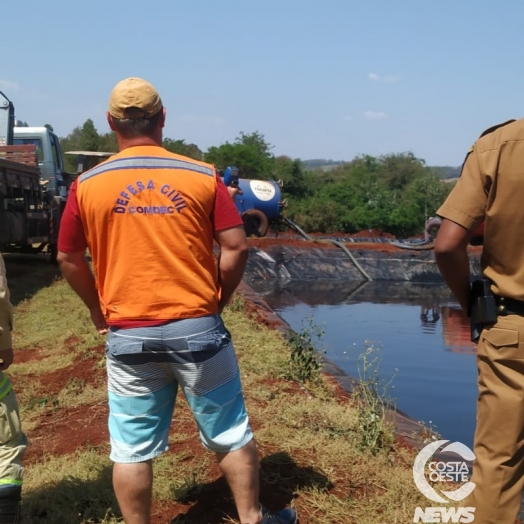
column 6, row 358
column 78, row 274
column 234, row 191
column 231, row 262
column 98, row 320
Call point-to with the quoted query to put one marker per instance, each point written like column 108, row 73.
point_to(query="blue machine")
column 263, row 195
column 231, row 176
column 258, row 201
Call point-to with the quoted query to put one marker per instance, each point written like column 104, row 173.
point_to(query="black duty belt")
column 509, row 306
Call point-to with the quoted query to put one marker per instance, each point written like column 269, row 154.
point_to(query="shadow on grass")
column 280, row 476
column 27, row 274
column 72, row 501
column 77, row 501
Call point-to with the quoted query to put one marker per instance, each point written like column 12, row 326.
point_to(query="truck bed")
column 25, row 210
column 18, row 169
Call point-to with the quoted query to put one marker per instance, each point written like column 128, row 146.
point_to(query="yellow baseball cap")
column 134, row 98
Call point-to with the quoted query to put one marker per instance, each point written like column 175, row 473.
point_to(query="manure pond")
column 417, row 332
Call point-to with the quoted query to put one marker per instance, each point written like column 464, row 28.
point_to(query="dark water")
column 419, row 333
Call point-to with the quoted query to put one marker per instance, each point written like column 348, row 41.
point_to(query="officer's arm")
column 452, row 259
column 231, row 262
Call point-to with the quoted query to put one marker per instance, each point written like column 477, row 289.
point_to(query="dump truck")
column 33, row 185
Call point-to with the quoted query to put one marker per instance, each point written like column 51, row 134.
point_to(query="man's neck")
column 124, row 143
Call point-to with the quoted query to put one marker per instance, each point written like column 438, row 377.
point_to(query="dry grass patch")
column 54, row 316
column 308, row 437
column 184, row 474
column 78, row 393
column 70, row 489
column 55, row 361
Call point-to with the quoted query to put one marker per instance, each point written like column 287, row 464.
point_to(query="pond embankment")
column 280, row 261
column 290, row 258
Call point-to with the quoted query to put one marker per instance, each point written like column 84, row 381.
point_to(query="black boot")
column 10, row 504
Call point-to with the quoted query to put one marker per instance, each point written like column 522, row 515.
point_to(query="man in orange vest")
column 149, row 218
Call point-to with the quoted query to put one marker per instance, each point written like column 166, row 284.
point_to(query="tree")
column 251, row 154
column 89, row 138
column 400, row 169
column 181, row 148
column 85, row 138
column 318, row 216
column 107, row 142
column 291, row 173
column 394, row 193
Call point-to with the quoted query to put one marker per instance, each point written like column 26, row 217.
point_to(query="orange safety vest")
column 147, row 217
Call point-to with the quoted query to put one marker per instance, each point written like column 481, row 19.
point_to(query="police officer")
column 491, row 190
column 13, row 442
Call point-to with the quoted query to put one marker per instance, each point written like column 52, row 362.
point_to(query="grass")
column 309, row 437
column 305, row 361
column 372, row 398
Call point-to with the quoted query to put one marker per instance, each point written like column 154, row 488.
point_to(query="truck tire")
column 256, row 223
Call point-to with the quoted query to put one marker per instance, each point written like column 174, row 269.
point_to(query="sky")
column 330, row 79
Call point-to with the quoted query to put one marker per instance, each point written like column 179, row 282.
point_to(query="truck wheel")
column 255, row 223
column 53, row 253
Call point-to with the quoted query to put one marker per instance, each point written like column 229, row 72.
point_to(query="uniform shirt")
column 148, row 217
column 6, row 310
column 491, row 189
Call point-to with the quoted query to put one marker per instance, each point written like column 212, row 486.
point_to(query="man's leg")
column 208, row 373
column 241, row 469
column 213, row 391
column 499, row 438
column 141, row 398
column 133, row 484
column 13, row 443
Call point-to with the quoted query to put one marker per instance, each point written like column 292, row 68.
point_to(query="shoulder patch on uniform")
column 495, row 127
column 484, row 133
column 470, row 150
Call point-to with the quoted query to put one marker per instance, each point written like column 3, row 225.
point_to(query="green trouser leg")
column 13, row 443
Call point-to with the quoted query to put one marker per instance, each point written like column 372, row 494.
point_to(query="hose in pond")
column 297, row 228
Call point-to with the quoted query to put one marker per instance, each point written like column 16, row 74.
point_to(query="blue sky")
column 318, row 78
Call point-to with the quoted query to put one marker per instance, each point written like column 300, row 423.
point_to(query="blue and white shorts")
column 145, row 366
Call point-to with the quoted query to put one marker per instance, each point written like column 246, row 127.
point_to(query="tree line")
column 394, row 193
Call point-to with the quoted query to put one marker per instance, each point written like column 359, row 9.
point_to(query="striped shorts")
column 145, row 366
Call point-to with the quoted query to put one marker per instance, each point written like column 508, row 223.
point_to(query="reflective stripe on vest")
column 140, row 162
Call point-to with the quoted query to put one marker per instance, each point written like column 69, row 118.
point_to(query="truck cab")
column 49, row 156
column 33, row 185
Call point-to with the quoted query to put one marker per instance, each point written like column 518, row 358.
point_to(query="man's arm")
column 6, row 321
column 78, row 274
column 231, row 262
column 452, row 259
